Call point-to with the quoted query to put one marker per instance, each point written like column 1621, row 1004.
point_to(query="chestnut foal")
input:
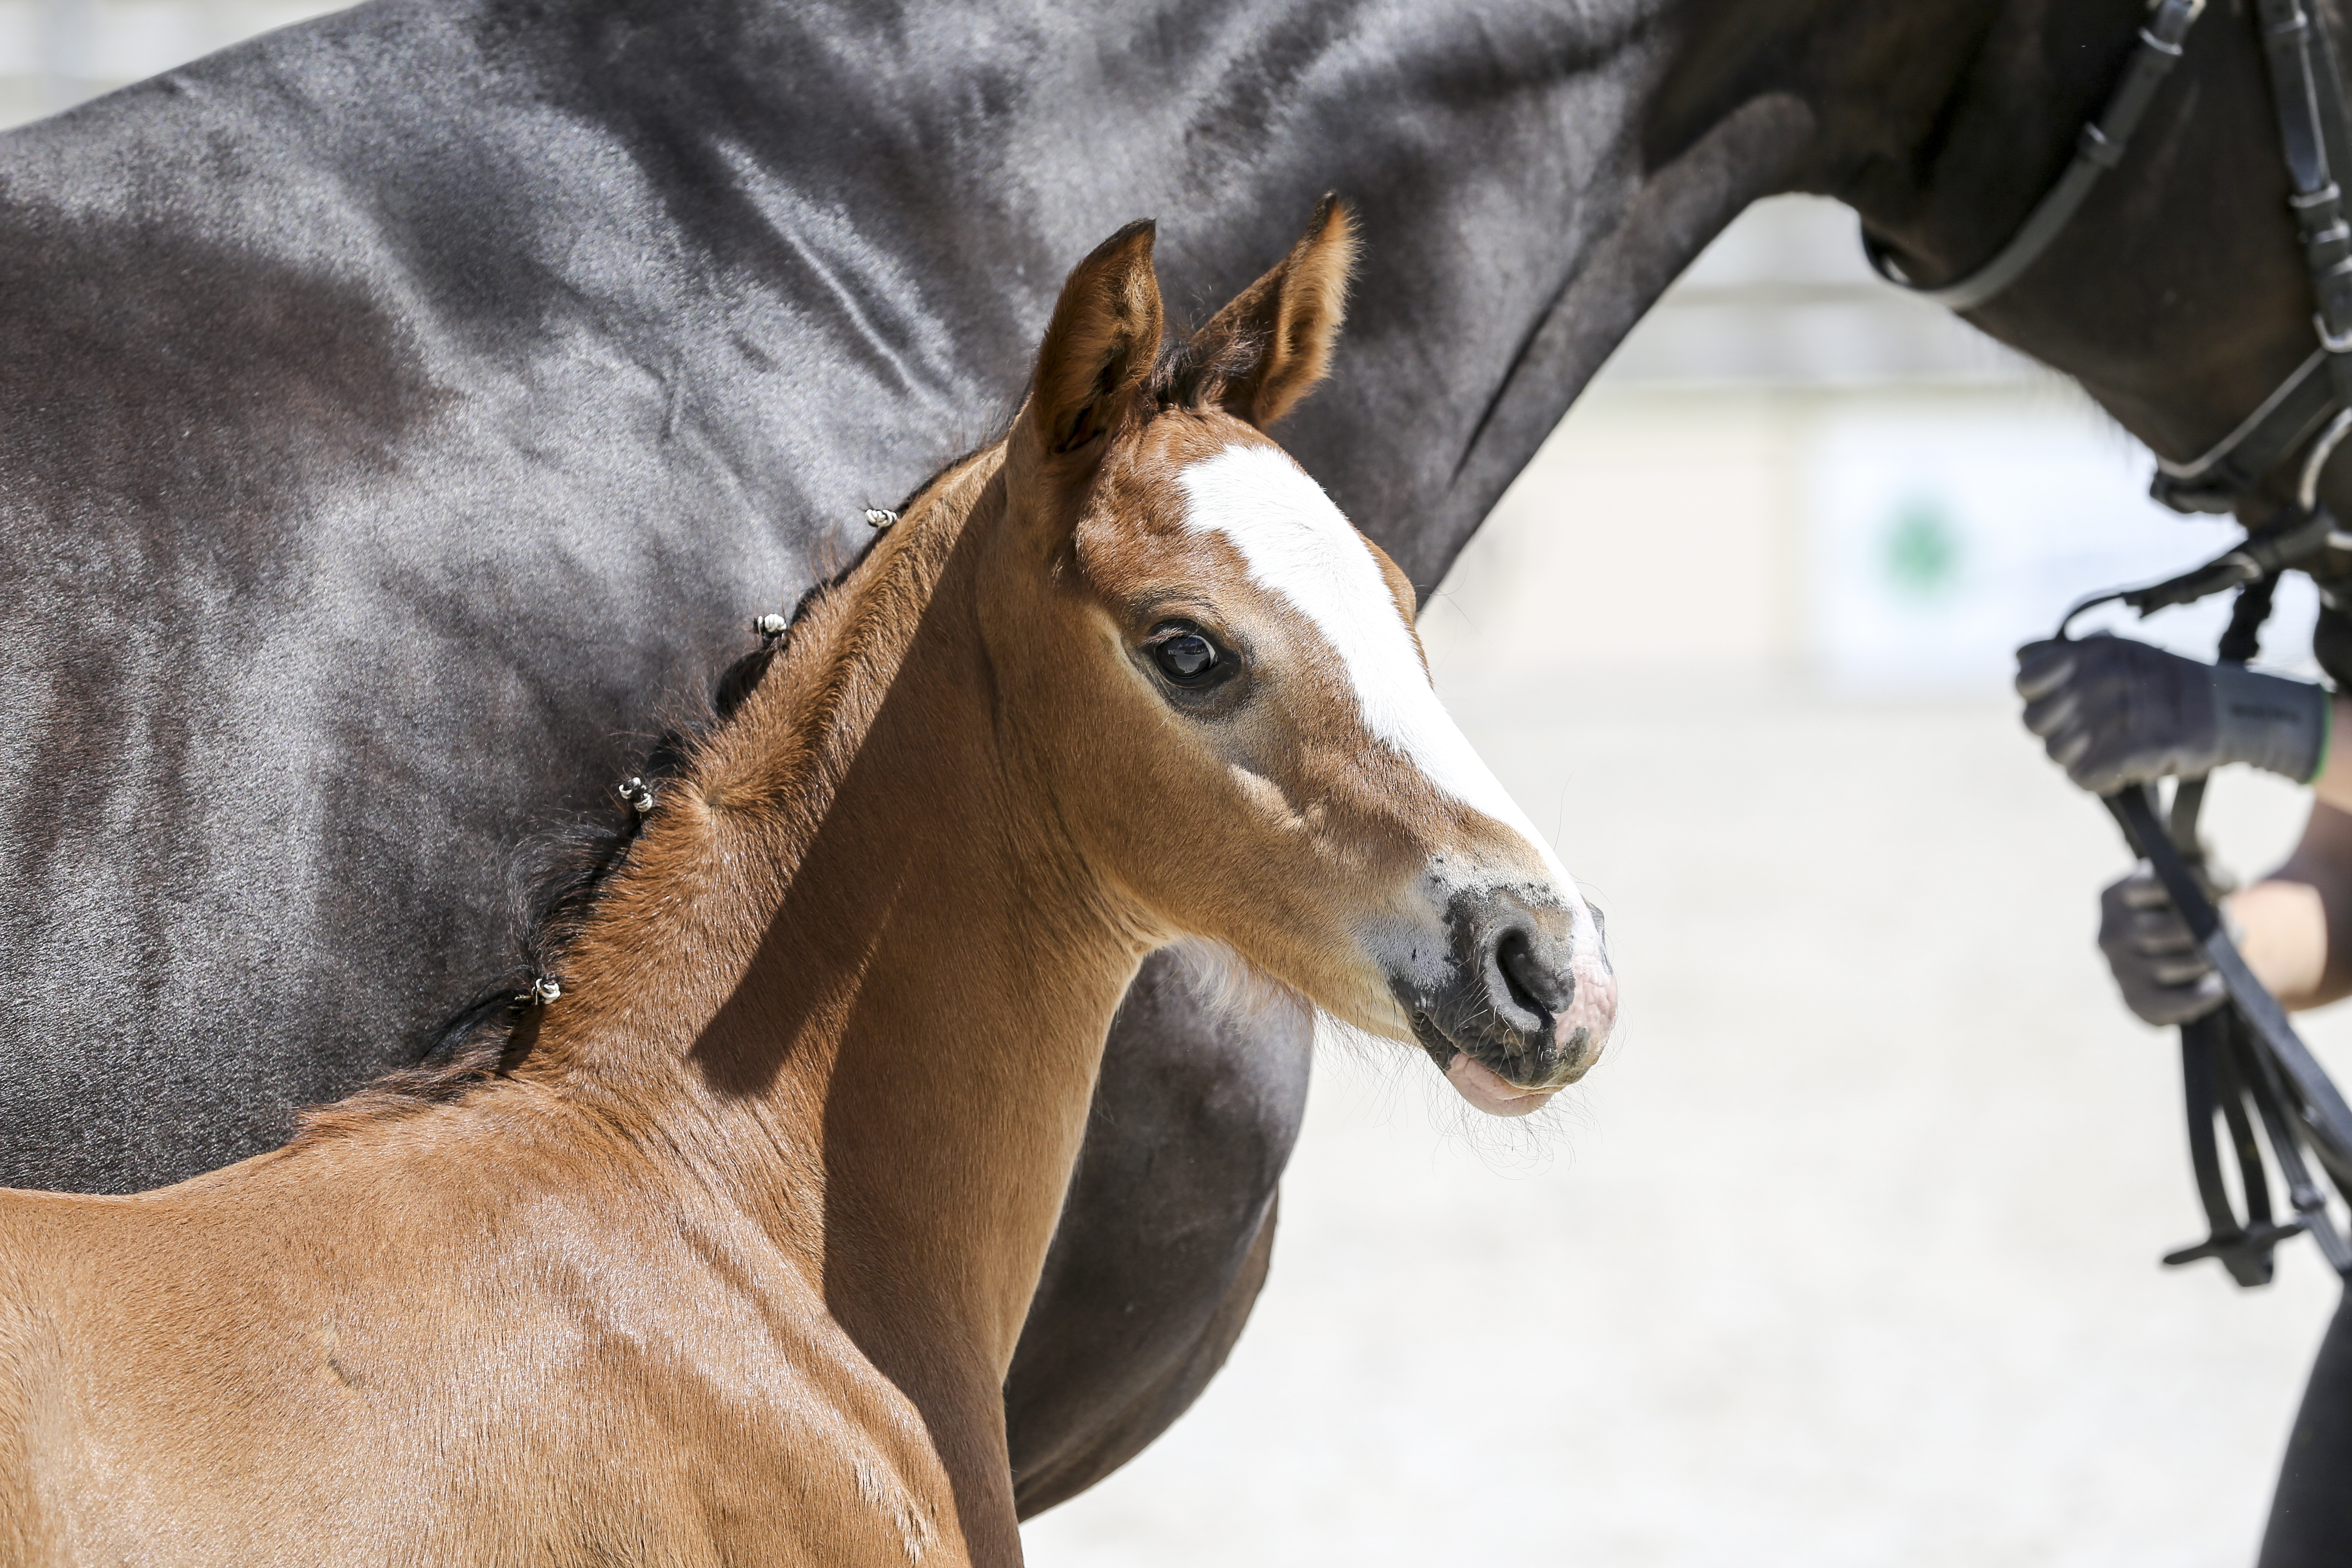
column 723, row 1258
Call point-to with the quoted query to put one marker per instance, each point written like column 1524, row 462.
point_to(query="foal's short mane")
column 487, row 1037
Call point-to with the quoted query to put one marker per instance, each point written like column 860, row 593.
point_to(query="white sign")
column 1941, row 534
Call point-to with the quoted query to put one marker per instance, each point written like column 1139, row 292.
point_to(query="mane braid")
column 489, row 1037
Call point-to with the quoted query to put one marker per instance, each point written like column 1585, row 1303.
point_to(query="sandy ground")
column 1846, row 1254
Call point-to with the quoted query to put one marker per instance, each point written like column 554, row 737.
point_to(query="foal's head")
column 1215, row 680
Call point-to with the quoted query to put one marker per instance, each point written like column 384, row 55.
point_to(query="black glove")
column 2164, row 976
column 2116, row 712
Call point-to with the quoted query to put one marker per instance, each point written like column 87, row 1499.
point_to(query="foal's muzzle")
column 1526, row 1005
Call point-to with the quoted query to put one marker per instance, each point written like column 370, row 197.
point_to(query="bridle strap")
column 2316, row 140
column 2243, row 1248
column 2308, row 407
column 2098, row 148
column 2308, row 92
column 2221, row 477
column 2306, row 410
column 2261, row 555
column 2246, row 1053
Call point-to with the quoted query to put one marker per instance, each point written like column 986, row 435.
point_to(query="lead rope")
column 2244, row 1054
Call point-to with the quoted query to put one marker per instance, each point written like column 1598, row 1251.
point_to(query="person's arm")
column 2281, row 926
column 2334, row 783
column 2114, row 713
column 2285, row 920
column 2281, row 923
column 2289, row 921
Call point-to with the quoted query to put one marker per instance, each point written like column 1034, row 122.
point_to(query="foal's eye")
column 1186, row 657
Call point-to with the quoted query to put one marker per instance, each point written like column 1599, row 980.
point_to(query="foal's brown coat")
column 728, row 1263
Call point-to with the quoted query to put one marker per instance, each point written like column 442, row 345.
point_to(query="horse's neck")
column 1530, row 179
column 850, row 977
column 1516, row 220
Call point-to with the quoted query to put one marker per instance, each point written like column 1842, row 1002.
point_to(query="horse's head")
column 1217, row 681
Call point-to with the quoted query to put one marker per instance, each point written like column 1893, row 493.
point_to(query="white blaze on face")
column 1297, row 544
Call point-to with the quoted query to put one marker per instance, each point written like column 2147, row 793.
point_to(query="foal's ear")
column 1101, row 344
column 1266, row 350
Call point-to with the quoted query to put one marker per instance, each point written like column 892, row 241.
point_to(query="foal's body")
column 723, row 1256
column 744, row 1239
column 315, row 1360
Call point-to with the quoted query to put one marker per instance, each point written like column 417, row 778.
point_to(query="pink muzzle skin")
column 1591, row 1015
column 1489, row 1090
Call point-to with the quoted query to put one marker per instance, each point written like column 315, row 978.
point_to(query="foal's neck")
column 851, row 975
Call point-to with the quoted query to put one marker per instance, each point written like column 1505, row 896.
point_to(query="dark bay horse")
column 721, row 1254
column 395, row 407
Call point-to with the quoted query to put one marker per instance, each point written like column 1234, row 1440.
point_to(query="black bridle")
column 2310, row 411
column 2243, row 1063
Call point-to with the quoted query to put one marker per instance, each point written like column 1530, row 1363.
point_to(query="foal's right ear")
column 1267, row 349
column 1102, row 342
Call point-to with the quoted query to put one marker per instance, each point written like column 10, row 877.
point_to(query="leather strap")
column 2243, row 1248
column 2220, row 478
column 2251, row 1053
column 2244, row 1063
column 2099, row 147
column 2308, row 408
column 2249, row 566
column 2311, row 410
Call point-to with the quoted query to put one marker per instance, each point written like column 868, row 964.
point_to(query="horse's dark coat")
column 395, row 408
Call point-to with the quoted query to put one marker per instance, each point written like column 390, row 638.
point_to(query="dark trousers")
column 2311, row 1518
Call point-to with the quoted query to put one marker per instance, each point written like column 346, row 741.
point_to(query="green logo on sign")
column 1923, row 550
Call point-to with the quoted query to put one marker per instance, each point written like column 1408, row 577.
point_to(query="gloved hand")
column 2164, row 976
column 2114, row 713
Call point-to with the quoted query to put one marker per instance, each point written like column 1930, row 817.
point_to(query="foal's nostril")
column 1531, row 989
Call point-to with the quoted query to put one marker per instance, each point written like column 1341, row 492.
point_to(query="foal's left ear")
column 1100, row 345
column 1267, row 349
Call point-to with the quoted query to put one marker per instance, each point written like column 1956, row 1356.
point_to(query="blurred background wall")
column 1846, row 1254
column 1791, row 466
column 56, row 53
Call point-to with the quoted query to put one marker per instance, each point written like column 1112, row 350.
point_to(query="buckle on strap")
column 2095, row 146
column 2246, row 1254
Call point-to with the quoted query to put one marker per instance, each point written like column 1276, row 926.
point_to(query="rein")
column 2244, row 1054
column 2243, row 1063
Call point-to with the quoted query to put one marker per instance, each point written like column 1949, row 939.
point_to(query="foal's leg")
column 1164, row 1237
